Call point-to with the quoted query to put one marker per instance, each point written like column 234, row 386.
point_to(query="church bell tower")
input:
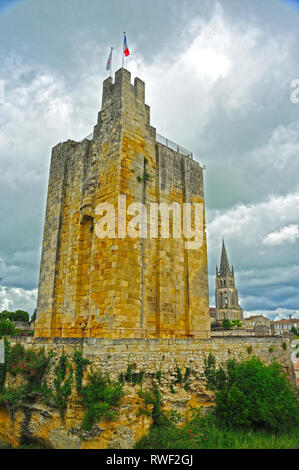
column 227, row 304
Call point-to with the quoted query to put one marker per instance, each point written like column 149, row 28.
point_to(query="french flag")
column 126, row 49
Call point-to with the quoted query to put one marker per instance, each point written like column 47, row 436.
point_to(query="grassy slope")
column 207, row 435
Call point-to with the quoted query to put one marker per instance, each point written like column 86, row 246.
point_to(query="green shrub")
column 159, row 375
column 249, row 349
column 7, row 328
column 132, row 377
column 63, row 385
column 257, row 395
column 13, row 398
column 3, row 367
column 236, row 323
column 99, row 397
column 205, row 432
column 2, row 376
column 214, row 377
column 147, row 396
column 81, row 363
column 154, row 398
column 227, row 325
column 179, row 375
column 32, row 366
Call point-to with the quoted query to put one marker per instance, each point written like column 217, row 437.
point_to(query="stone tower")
column 120, row 287
column 227, row 304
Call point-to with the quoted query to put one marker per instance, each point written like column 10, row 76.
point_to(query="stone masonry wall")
column 123, row 286
column 148, row 355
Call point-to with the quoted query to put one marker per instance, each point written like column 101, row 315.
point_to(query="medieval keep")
column 120, row 287
column 227, row 304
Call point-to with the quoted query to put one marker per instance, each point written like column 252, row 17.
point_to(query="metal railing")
column 89, row 137
column 173, row 146
column 162, row 140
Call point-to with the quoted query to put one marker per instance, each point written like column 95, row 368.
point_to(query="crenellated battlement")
column 122, row 83
column 123, row 101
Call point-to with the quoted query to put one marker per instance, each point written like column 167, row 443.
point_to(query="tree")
column 226, row 324
column 33, row 318
column 6, row 327
column 236, row 323
column 6, row 314
column 20, row 315
column 253, row 394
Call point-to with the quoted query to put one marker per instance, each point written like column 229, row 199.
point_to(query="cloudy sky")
column 218, row 80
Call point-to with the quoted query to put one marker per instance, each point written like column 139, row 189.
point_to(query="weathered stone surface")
column 150, row 356
column 123, row 287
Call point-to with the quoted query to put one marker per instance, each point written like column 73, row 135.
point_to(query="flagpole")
column 111, row 61
column 123, row 59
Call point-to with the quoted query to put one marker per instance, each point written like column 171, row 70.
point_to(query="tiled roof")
column 286, row 321
column 255, row 316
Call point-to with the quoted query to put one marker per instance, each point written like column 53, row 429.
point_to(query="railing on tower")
column 173, row 146
column 162, row 140
column 89, row 137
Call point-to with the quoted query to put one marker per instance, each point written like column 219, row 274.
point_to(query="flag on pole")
column 126, row 49
column 109, row 61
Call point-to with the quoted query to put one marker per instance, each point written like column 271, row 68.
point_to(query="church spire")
column 224, row 264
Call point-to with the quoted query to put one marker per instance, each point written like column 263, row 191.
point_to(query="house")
column 258, row 323
column 284, row 326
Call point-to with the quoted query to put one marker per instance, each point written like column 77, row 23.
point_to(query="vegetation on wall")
column 256, row 408
column 99, row 397
column 63, row 383
column 252, row 394
column 214, row 377
column 33, row 367
column 131, row 377
column 81, row 364
column 146, row 175
column 251, row 397
column 3, row 367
